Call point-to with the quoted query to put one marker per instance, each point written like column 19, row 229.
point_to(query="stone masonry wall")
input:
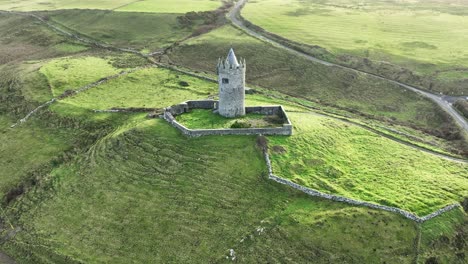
column 338, row 198
column 175, row 110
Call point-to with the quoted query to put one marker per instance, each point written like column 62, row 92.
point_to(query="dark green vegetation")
column 414, row 41
column 199, row 118
column 338, row 158
column 148, row 194
column 445, row 238
column 93, row 187
column 274, row 69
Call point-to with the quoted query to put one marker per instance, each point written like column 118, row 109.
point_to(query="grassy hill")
column 424, row 37
column 79, row 186
column 149, row 194
column 338, row 158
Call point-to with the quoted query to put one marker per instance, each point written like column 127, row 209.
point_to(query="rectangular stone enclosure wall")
column 171, row 112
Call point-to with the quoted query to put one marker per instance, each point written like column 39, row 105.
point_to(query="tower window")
column 225, row 80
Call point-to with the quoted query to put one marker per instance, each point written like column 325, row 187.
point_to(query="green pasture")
column 426, row 37
column 444, row 238
column 27, row 148
column 72, row 73
column 154, row 6
column 35, row 5
column 140, row 31
column 148, row 194
column 149, row 88
column 338, row 158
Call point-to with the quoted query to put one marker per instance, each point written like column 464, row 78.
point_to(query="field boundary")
column 238, row 21
column 75, row 92
column 285, row 129
column 338, row 198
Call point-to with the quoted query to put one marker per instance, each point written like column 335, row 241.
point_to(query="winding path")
column 444, row 102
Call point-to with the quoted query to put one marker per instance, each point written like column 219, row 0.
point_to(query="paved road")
column 445, row 102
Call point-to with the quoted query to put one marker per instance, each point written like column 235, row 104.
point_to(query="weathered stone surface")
column 231, row 80
column 170, row 112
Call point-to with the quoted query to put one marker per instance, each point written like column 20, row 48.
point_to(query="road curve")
column 234, row 15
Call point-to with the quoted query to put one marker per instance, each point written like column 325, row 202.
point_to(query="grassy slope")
column 27, row 148
column 338, row 158
column 124, row 29
column 273, row 68
column 424, row 36
column 73, row 73
column 152, row 195
column 150, row 87
column 155, row 87
column 445, row 238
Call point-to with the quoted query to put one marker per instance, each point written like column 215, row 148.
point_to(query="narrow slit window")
column 225, row 80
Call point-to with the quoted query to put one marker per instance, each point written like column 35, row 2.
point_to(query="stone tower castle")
column 231, row 79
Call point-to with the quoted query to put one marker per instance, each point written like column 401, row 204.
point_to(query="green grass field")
column 338, row 158
column 444, row 238
column 155, row 6
column 149, row 88
column 206, row 119
column 277, row 70
column 24, row 39
column 121, row 188
column 148, row 194
column 142, row 31
column 26, row 149
column 424, row 36
column 73, row 73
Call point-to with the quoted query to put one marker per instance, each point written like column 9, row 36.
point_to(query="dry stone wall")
column 171, row 112
column 338, row 198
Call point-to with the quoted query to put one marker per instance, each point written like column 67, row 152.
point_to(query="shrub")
column 238, row 124
column 184, row 84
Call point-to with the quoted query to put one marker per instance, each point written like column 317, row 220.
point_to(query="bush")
column 184, row 84
column 238, row 124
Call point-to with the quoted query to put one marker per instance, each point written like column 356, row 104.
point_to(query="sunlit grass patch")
column 338, row 158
